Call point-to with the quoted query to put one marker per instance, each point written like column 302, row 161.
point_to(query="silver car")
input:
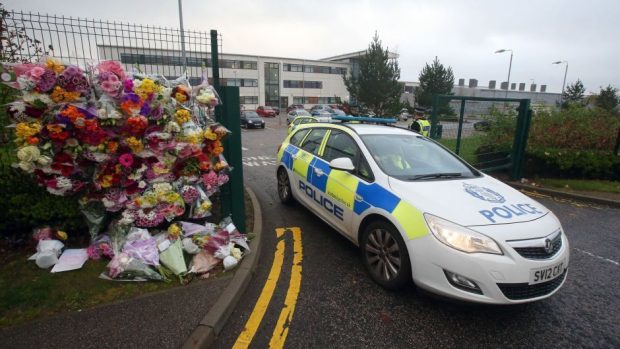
column 295, row 113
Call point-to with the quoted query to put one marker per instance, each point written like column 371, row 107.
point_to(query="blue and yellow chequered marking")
column 319, row 181
column 345, row 188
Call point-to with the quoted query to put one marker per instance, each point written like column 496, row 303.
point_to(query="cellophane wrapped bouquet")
column 137, row 149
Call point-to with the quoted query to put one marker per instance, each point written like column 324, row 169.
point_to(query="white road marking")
column 596, row 256
column 244, row 148
column 261, row 160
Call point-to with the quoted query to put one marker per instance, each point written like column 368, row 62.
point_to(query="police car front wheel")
column 284, row 187
column 385, row 255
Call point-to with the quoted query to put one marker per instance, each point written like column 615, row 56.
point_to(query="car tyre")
column 262, row 126
column 284, row 187
column 385, row 255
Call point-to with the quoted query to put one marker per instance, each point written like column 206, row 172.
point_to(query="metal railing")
column 150, row 49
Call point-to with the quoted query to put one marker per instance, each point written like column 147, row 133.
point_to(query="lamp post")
column 182, row 37
column 509, row 67
column 564, row 81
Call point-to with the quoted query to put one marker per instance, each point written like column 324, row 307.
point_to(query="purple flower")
column 72, row 79
column 46, row 81
column 145, row 110
column 128, row 85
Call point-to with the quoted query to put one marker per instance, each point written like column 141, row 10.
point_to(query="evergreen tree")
column 376, row 86
column 574, row 93
column 608, row 98
column 434, row 79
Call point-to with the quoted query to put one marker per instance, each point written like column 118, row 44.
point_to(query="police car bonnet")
column 470, row 202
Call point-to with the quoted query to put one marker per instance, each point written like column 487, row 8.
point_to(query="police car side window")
column 312, row 143
column 298, row 137
column 341, row 145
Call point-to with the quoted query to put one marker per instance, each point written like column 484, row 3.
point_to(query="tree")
column 608, row 98
column 376, row 86
column 574, row 93
column 434, row 79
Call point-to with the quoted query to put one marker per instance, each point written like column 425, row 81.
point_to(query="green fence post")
column 460, row 130
column 520, row 140
column 232, row 192
column 232, row 195
column 434, row 117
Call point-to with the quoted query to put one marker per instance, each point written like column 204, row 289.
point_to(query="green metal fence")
column 489, row 133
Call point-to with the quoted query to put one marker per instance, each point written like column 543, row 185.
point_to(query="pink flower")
column 210, row 179
column 112, row 67
column 35, row 73
column 126, row 160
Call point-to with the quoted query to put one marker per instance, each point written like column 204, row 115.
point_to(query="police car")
column 418, row 211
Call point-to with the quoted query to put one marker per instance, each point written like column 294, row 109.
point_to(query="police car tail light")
column 459, row 237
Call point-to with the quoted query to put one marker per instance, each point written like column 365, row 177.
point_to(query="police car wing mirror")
column 342, row 164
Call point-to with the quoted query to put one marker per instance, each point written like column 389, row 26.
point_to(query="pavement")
column 188, row 317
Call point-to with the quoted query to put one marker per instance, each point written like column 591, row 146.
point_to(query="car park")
column 418, row 212
column 295, row 113
column 250, row 119
column 266, row 111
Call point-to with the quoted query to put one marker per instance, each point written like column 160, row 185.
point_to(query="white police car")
column 417, row 210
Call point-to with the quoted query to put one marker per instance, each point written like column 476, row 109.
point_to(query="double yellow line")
column 286, row 314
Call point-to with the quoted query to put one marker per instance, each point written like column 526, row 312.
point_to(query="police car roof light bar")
column 365, row 119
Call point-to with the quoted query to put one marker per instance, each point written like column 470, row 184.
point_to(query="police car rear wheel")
column 385, row 255
column 284, row 187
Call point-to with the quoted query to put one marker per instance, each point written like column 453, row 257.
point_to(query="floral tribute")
column 135, row 148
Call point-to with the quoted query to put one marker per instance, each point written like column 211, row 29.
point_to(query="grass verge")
column 581, row 184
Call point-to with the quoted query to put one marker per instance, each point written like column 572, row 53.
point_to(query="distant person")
column 420, row 124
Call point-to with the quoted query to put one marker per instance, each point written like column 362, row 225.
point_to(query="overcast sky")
column 462, row 34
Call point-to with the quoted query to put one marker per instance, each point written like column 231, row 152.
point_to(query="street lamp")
column 563, row 82
column 509, row 67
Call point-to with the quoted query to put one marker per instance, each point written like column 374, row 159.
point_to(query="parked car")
column 276, row 109
column 295, row 113
column 338, row 112
column 417, row 211
column 483, row 125
column 320, row 107
column 404, row 115
column 324, row 115
column 266, row 111
column 294, row 107
column 250, row 119
column 300, row 120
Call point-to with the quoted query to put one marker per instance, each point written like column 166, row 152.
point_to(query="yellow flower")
column 106, row 181
column 147, row 87
column 55, row 65
column 59, row 95
column 25, row 130
column 180, row 97
column 61, row 235
column 205, row 206
column 182, row 116
column 210, row 135
column 135, row 144
column 174, row 231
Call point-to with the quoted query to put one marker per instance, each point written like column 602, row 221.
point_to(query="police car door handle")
column 319, row 172
column 358, row 198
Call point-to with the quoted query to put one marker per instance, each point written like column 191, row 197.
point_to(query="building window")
column 248, row 99
column 302, row 84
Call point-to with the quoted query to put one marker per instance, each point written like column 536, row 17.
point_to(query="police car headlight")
column 459, row 237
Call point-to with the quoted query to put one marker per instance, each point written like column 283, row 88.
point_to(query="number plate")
column 547, row 273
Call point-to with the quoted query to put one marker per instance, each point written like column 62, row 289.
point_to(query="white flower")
column 126, row 218
column 236, row 253
column 142, row 184
column 172, row 127
column 44, row 161
column 161, row 188
column 26, row 166
column 28, row 153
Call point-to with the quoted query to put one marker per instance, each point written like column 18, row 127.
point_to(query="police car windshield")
column 412, row 157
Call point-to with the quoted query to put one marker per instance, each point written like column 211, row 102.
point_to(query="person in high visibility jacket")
column 420, row 124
